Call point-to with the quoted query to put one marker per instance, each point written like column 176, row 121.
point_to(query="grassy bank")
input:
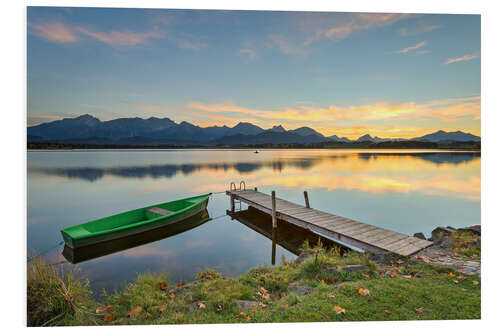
column 324, row 287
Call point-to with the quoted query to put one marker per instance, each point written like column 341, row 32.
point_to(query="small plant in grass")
column 467, row 244
column 208, row 274
column 54, row 295
column 292, row 299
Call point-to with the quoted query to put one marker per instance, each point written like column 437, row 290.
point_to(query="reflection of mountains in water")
column 437, row 158
column 171, row 170
column 78, row 255
column 287, row 235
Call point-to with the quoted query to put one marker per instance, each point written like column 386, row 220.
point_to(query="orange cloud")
column 122, row 37
column 411, row 48
column 54, row 32
column 448, row 110
column 466, row 57
column 144, row 106
column 358, row 22
column 250, row 53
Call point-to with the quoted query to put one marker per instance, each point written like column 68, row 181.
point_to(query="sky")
column 393, row 75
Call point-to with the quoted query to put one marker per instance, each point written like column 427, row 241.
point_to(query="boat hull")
column 101, row 249
column 80, row 236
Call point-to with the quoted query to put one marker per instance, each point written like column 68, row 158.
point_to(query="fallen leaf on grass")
column 172, row 296
column 248, row 318
column 364, row 292
column 163, row 286
column 463, row 289
column 134, row 311
column 400, row 296
column 329, row 280
column 283, row 294
column 100, row 309
column 461, row 277
column 338, row 309
column 149, row 315
column 421, row 310
column 400, row 261
column 452, row 275
column 201, row 305
column 109, row 317
column 331, row 296
column 388, row 311
column 475, row 282
column 407, row 276
column 455, row 281
column 394, row 274
column 366, row 276
column 109, row 308
column 322, row 282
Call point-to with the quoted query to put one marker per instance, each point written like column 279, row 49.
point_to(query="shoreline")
column 318, row 286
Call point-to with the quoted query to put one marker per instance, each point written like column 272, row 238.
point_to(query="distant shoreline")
column 470, row 146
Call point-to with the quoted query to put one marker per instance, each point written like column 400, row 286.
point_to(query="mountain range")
column 155, row 131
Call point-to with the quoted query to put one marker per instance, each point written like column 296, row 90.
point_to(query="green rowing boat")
column 85, row 253
column 133, row 222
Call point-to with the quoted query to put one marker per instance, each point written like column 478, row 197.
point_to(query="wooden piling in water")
column 232, row 203
column 273, row 214
column 306, row 198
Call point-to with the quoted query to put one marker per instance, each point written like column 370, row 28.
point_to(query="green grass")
column 467, row 244
column 437, row 294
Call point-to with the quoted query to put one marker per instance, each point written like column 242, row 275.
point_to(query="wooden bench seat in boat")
column 160, row 211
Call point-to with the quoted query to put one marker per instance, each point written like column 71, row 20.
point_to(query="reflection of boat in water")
column 287, row 235
column 102, row 249
column 133, row 222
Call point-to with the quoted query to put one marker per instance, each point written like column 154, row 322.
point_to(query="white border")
column 13, row 20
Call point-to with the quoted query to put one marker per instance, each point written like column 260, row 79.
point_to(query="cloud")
column 144, row 106
column 357, row 22
column 55, row 32
column 250, row 53
column 411, row 48
column 126, row 38
column 58, row 32
column 447, row 110
column 419, row 30
column 184, row 44
column 466, row 57
column 286, row 46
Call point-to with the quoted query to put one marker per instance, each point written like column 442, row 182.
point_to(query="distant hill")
column 87, row 129
column 457, row 136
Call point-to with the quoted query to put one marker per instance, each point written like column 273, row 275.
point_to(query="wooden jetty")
column 361, row 235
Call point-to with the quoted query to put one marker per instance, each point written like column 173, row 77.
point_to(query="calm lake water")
column 401, row 190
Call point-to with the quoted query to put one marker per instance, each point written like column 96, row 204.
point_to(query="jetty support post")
column 306, row 198
column 232, row 203
column 255, row 189
column 273, row 252
column 273, row 201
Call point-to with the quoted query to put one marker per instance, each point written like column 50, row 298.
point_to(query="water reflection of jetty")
column 287, row 235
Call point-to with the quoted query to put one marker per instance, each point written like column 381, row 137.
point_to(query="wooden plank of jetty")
column 368, row 237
